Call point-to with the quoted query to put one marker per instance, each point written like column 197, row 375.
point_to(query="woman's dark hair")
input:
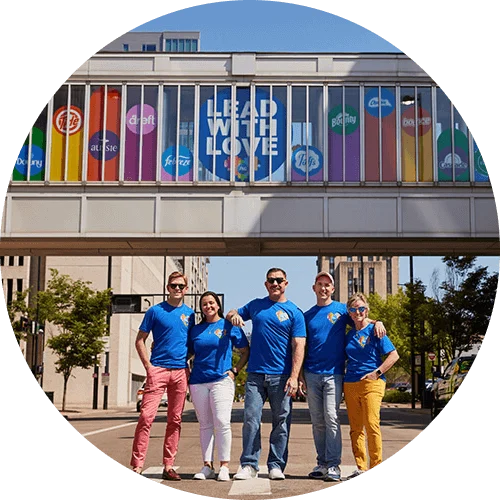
column 217, row 300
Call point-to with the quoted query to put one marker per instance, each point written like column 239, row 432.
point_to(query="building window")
column 388, row 264
column 371, row 280
column 19, row 285
column 194, row 45
column 21, row 260
column 2, row 260
column 147, row 47
column 125, row 47
column 350, row 281
column 10, row 290
column 11, row 260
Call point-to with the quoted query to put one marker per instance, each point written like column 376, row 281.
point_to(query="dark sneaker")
column 356, row 473
column 170, row 475
column 319, row 472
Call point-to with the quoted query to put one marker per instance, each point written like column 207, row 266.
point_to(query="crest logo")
column 282, row 316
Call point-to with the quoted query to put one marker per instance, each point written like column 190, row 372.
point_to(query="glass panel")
column 67, row 134
column 480, row 172
column 299, row 133
column 425, row 135
column 169, row 155
column 352, row 135
column 206, row 149
column 307, row 160
column 174, row 46
column 278, row 136
column 335, row 142
column 443, row 134
column 181, row 45
column 104, row 142
column 141, row 125
column 408, row 145
column 461, row 148
column 168, row 45
column 38, row 143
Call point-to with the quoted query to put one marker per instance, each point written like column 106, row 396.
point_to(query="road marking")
column 108, row 429
column 255, row 486
column 155, row 473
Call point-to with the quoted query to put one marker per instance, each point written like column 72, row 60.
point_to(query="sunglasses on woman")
column 278, row 280
column 361, row 309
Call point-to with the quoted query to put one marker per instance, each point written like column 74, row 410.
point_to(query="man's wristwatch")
column 234, row 370
column 379, row 373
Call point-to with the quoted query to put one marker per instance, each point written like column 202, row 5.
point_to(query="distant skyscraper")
column 367, row 274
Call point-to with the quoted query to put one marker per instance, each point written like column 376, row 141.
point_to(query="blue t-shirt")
column 364, row 352
column 326, row 326
column 274, row 324
column 212, row 345
column 170, row 326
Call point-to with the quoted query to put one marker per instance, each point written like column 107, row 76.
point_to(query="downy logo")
column 336, row 120
column 385, row 102
column 37, row 160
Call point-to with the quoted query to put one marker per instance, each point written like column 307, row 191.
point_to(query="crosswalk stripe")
column 255, row 486
column 108, row 429
column 155, row 473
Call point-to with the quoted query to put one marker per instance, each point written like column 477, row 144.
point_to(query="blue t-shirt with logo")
column 364, row 352
column 326, row 326
column 170, row 326
column 212, row 345
column 274, row 324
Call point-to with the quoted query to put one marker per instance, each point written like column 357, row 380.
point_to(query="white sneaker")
column 223, row 474
column 276, row 474
column 205, row 473
column 246, row 472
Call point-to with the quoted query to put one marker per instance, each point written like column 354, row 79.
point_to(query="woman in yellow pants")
column 364, row 383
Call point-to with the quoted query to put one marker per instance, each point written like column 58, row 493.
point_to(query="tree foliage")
column 19, row 311
column 80, row 313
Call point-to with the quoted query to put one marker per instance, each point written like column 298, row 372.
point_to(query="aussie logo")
column 185, row 319
column 282, row 316
column 363, row 340
column 333, row 317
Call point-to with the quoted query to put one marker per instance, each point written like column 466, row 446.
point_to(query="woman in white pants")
column 211, row 383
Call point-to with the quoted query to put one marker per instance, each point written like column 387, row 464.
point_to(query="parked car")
column 140, row 392
column 445, row 386
column 402, row 386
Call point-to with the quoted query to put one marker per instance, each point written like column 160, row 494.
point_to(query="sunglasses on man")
column 277, row 280
column 180, row 286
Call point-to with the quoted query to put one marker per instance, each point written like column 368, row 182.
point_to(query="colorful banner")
column 307, row 164
column 269, row 129
column 336, row 122
column 173, row 163
column 104, row 143
column 480, row 172
column 148, row 118
column 383, row 106
column 66, row 127
column 446, row 157
column 37, row 163
column 408, row 145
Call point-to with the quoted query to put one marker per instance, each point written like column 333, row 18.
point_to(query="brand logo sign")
column 37, row 160
column 337, row 119
column 307, row 161
column 269, row 130
column 147, row 119
column 383, row 103
column 424, row 121
column 170, row 159
column 99, row 147
column 65, row 122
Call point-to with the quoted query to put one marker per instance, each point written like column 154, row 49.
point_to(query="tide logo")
column 65, row 122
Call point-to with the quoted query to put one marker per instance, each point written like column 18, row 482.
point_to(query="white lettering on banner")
column 34, row 163
column 266, row 128
column 184, row 161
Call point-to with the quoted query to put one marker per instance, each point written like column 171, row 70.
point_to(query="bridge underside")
column 250, row 246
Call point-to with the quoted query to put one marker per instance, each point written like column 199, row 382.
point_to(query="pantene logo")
column 65, row 122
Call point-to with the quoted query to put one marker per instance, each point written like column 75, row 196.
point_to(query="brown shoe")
column 170, row 475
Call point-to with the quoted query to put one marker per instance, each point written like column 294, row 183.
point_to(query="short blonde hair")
column 355, row 297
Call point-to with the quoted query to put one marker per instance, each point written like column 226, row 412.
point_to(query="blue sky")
column 253, row 25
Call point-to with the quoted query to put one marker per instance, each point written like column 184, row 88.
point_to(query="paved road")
column 112, row 432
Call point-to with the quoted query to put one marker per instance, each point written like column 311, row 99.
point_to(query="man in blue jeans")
column 323, row 374
column 276, row 356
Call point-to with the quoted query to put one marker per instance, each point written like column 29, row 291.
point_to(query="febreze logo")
column 218, row 143
column 68, row 122
column 183, row 161
column 382, row 104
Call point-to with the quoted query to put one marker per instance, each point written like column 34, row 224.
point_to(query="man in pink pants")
column 166, row 370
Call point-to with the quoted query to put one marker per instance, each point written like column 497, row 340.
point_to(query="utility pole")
column 412, row 334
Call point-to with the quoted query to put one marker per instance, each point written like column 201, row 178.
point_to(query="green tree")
column 19, row 313
column 80, row 313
